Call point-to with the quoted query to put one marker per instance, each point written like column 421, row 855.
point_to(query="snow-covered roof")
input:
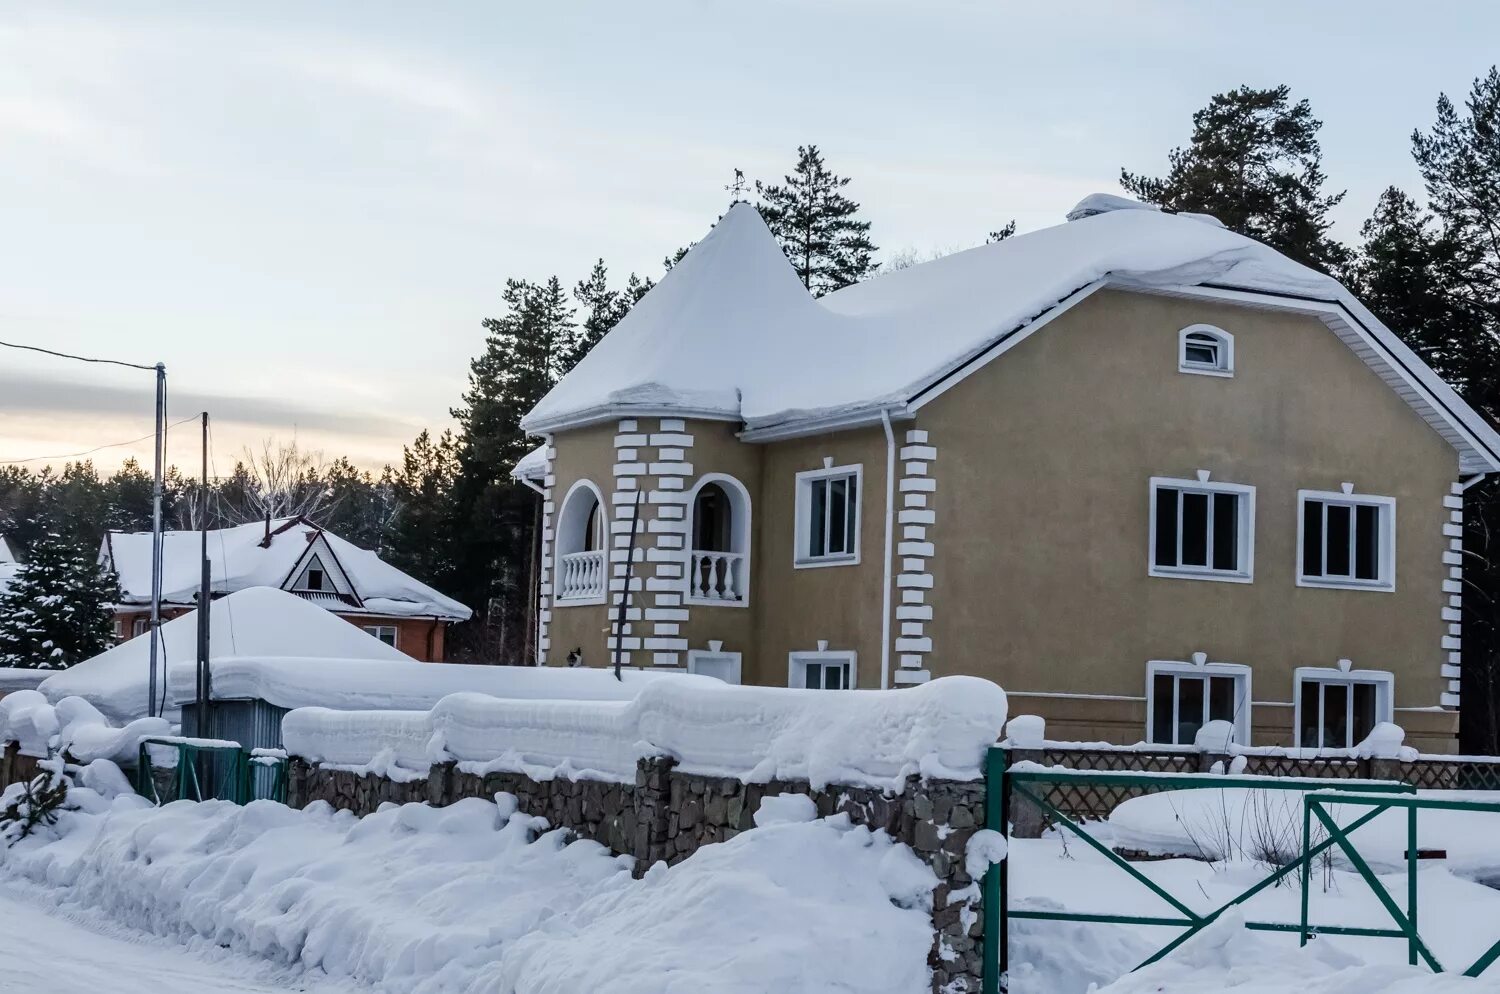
column 731, row 332
column 533, row 465
column 259, row 622
column 271, row 554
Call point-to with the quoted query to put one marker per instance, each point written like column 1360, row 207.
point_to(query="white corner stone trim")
column 1452, row 613
column 544, row 567
column 913, row 643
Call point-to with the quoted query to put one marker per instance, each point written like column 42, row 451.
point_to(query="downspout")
column 890, row 530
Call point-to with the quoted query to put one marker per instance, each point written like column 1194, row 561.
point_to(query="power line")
column 80, row 358
column 89, row 452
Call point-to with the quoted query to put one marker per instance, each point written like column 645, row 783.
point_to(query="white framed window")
column 827, row 532
column 314, row 580
column 580, row 567
column 386, row 633
column 1181, row 697
column 1346, row 540
column 1205, row 350
column 723, row 665
column 140, row 626
column 718, row 566
column 1336, row 708
column 1202, row 530
column 822, row 670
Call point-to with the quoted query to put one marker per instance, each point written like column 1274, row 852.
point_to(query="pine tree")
column 1001, row 234
column 56, row 611
column 526, row 351
column 603, row 308
column 420, row 536
column 817, row 225
column 1255, row 163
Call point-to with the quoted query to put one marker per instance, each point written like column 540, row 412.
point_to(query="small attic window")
column 1204, row 349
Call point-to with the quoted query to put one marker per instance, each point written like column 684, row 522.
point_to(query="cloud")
column 31, row 394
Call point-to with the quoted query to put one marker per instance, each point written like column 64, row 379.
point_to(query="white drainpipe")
column 890, row 529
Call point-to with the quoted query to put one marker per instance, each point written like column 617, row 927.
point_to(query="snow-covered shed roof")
column 257, row 623
column 273, row 554
column 731, row 332
column 533, row 465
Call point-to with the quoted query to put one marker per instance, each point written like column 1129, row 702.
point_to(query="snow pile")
column 476, row 897
column 1226, row 956
column 1241, row 823
column 72, row 726
column 260, row 622
column 755, row 734
column 380, row 684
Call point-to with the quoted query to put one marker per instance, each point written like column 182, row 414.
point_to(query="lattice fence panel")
column 1452, row 774
column 1090, row 802
column 1288, row 766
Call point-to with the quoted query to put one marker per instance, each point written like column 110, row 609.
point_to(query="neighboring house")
column 10, row 564
column 1139, row 470
column 291, row 554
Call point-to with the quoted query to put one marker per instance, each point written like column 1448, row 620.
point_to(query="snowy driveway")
column 39, row 952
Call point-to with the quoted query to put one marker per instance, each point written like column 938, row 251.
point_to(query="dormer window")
column 1206, row 350
column 315, row 579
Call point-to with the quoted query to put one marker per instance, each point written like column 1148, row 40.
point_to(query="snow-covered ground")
column 41, row 952
column 478, row 898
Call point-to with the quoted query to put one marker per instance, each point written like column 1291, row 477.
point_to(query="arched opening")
column 719, row 530
column 579, row 570
column 1202, row 348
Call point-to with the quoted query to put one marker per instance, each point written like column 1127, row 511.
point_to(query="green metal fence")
column 1033, row 785
column 1315, row 808
column 204, row 770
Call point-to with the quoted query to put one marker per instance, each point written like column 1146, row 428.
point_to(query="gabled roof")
column 269, row 554
column 731, row 333
column 256, row 623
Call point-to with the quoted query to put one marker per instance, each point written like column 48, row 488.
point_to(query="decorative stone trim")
column 912, row 641
column 544, row 566
column 660, row 559
column 629, row 468
column 1452, row 612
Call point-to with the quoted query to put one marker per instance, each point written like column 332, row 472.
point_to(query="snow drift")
column 74, row 726
column 755, row 734
column 476, row 897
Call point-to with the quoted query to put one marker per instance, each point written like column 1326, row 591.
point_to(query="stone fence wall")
column 666, row 815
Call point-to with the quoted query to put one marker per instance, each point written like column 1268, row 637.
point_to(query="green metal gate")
column 204, row 770
column 1028, row 781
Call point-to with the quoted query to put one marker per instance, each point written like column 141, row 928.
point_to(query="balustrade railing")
column 717, row 576
column 580, row 576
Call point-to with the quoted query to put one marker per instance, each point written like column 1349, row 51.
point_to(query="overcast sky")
column 306, row 210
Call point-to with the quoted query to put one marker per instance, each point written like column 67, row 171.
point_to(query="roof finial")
column 737, row 188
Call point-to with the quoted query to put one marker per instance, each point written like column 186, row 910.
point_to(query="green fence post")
column 1411, row 884
column 995, row 883
column 1307, row 859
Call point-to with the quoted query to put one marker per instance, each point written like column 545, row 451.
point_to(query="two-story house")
column 1141, row 471
column 290, row 554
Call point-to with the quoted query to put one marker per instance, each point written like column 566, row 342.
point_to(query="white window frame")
column 375, row 630
column 1246, row 572
column 1180, row 668
column 796, row 671
column 1225, row 365
column 1387, row 564
column 140, row 626
column 805, row 480
column 1385, row 692
column 742, row 519
column 699, row 656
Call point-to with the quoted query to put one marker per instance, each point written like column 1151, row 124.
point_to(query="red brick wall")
column 420, row 638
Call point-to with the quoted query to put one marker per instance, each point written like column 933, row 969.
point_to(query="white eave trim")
column 864, row 417
column 612, row 412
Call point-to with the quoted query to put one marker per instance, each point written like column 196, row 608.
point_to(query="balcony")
column 580, row 576
column 717, row 578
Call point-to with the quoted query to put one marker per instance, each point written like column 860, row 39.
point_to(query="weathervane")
column 737, row 188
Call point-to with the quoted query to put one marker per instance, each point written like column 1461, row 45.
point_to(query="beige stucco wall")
column 796, row 608
column 582, row 454
column 1040, row 575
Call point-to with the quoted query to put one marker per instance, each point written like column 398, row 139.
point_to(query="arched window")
column 579, row 572
column 719, row 529
column 1202, row 348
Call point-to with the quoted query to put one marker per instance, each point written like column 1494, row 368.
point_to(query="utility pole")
column 156, row 536
column 204, row 696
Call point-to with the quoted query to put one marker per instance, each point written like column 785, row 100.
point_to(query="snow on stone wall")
column 753, row 734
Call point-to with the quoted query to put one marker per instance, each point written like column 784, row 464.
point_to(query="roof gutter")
column 890, row 530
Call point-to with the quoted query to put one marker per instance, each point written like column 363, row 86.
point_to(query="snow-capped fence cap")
column 1214, row 736
column 1026, row 731
column 1383, row 742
